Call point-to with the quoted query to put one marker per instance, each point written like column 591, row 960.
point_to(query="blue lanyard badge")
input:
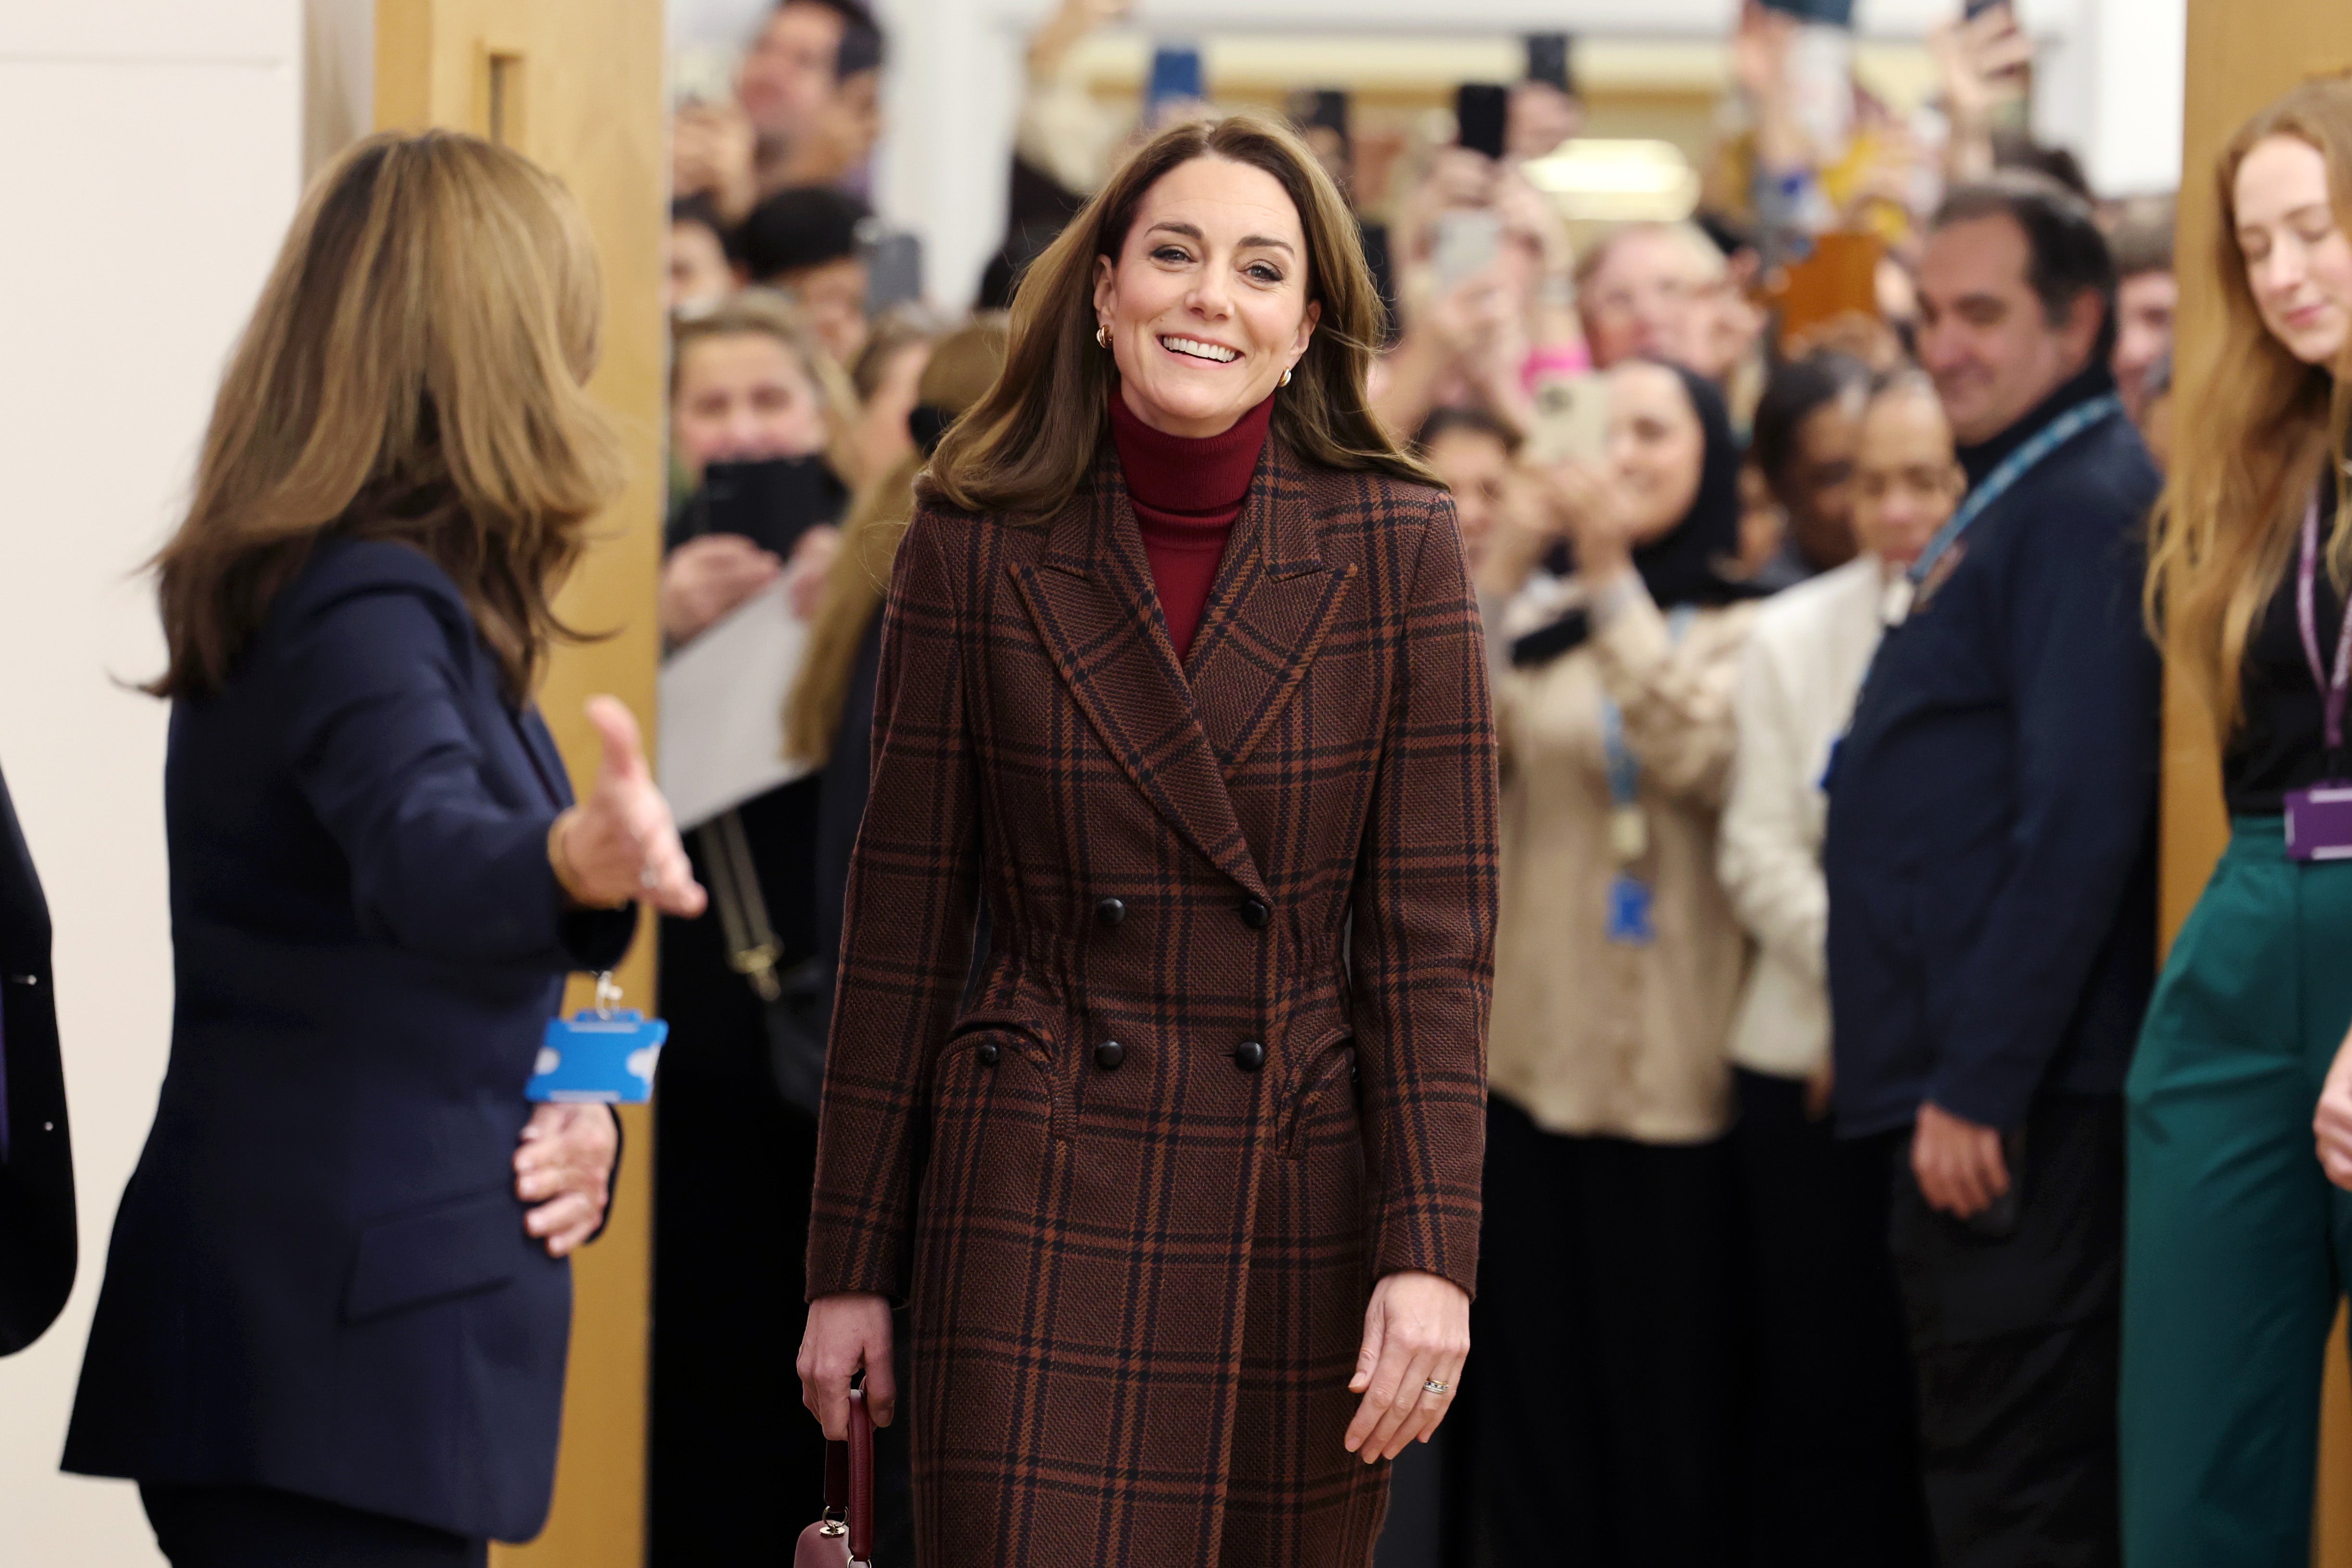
column 598, row 1055
column 1628, row 918
column 2015, row 466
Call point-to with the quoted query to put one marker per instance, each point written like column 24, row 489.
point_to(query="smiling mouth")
column 1193, row 349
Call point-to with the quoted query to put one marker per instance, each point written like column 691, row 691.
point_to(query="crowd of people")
column 1754, row 1286
column 1416, row 833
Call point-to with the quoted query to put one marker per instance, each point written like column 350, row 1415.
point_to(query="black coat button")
column 1109, row 1055
column 1249, row 1055
column 1109, row 912
column 988, row 1054
column 1255, row 915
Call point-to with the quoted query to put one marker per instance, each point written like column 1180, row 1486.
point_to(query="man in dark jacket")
column 1990, row 865
column 37, row 1196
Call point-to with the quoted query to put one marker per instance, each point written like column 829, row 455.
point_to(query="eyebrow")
column 1192, row 232
column 2287, row 217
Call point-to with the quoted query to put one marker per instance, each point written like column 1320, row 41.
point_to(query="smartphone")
column 1480, row 110
column 1548, row 61
column 1836, row 13
column 1571, row 419
column 1467, row 241
column 1176, row 77
column 769, row 501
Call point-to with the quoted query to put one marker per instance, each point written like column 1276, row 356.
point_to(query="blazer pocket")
column 453, row 1248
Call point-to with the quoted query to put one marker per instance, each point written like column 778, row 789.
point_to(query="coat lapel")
column 1091, row 597
column 1273, row 601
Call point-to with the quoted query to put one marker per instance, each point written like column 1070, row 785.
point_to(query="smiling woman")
column 1181, row 666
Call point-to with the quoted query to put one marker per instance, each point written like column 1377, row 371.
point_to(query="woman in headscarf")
column 1604, row 1314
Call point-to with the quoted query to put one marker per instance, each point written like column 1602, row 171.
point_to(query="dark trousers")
column 2014, row 1339
column 1604, row 1357
column 254, row 1527
column 1833, row 1463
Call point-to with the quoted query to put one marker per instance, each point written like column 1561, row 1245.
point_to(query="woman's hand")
column 564, row 1168
column 2332, row 1123
column 1594, row 515
column 847, row 1333
column 707, row 578
column 812, row 565
column 620, row 843
column 1417, row 1330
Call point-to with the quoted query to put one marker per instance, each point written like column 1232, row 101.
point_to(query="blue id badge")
column 600, row 1055
column 1628, row 912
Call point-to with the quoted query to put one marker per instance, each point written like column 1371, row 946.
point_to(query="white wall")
column 149, row 156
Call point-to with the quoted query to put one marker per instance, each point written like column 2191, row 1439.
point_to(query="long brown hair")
column 962, row 366
column 1028, row 444
column 2267, row 426
column 414, row 370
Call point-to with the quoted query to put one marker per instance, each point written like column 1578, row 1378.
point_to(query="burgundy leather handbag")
column 845, row 1534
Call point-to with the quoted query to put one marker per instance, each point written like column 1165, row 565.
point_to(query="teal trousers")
column 2236, row 1247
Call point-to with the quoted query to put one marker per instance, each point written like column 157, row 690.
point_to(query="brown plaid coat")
column 1138, row 1181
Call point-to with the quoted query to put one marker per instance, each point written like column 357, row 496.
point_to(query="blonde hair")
column 2268, row 427
column 962, row 367
column 1026, row 447
column 414, row 370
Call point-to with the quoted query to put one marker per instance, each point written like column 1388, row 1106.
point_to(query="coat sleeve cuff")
column 1448, row 1248
column 1982, row 1098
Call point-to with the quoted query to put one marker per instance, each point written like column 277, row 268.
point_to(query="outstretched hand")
column 1416, row 1332
column 620, row 843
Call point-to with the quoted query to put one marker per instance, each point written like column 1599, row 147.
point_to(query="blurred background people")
column 1835, row 1462
column 379, row 880
column 748, row 391
column 1807, row 426
column 753, row 419
column 805, row 242
column 1990, row 862
column 701, row 271
column 1473, row 453
column 2147, row 298
column 2238, row 1244
column 37, row 1242
column 1606, row 1320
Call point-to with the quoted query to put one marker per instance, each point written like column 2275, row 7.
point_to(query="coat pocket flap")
column 452, row 1249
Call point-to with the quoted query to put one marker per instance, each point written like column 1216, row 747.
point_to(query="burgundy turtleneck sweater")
column 1186, row 492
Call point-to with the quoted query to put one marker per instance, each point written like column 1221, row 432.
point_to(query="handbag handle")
column 849, row 1479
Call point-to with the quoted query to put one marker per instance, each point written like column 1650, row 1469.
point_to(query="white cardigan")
column 1804, row 662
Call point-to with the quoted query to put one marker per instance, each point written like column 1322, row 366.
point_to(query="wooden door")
column 577, row 86
column 2242, row 54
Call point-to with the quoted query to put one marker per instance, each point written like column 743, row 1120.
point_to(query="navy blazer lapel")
column 539, row 748
column 1092, row 598
column 1273, row 601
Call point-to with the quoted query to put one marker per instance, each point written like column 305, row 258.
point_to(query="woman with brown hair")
column 1182, row 676
column 2237, row 1246
column 336, row 1304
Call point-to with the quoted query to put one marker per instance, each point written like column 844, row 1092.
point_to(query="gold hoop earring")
column 1102, row 337
column 1285, row 377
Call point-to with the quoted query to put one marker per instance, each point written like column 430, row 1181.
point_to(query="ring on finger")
column 1435, row 1386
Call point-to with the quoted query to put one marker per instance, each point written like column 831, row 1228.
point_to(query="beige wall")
column 150, row 151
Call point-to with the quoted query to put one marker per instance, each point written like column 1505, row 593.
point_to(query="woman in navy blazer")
column 336, row 1305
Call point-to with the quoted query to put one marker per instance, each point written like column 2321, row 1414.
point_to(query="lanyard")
column 1625, row 768
column 2018, row 463
column 2306, row 577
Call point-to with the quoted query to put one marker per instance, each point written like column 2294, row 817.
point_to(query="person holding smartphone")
column 1606, row 1318
column 2239, row 1240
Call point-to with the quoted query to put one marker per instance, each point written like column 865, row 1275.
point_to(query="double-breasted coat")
column 1223, row 1064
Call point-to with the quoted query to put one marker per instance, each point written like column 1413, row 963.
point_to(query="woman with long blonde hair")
column 2238, row 1247
column 336, row 1305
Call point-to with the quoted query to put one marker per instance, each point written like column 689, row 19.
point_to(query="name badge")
column 598, row 1058
column 1628, row 912
column 2319, row 822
